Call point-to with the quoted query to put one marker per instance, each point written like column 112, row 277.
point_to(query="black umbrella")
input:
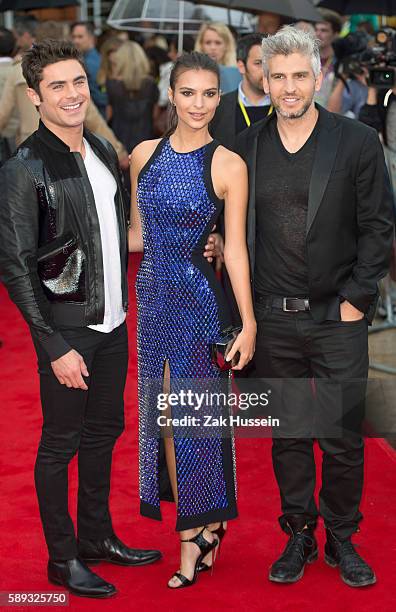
column 353, row 7
column 24, row 5
column 295, row 9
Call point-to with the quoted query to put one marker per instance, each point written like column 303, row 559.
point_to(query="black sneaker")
column 354, row 570
column 301, row 548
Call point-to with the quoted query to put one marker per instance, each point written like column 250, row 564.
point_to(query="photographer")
column 379, row 111
column 349, row 93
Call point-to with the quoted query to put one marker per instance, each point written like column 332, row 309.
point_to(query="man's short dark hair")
column 188, row 42
column 7, row 42
column 332, row 18
column 245, row 43
column 88, row 25
column 44, row 54
column 26, row 23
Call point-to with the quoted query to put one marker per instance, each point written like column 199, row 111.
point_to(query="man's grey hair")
column 290, row 40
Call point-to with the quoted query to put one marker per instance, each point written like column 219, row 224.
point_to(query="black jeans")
column 87, row 422
column 334, row 355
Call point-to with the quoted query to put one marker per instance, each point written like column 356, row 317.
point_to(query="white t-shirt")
column 104, row 188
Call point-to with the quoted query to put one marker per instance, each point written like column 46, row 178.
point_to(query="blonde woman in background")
column 217, row 41
column 132, row 94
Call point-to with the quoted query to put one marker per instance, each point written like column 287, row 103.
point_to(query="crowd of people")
column 129, row 78
column 304, row 213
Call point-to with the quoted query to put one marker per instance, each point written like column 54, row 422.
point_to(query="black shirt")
column 255, row 113
column 282, row 189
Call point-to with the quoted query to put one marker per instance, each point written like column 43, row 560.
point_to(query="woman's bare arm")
column 230, row 181
column 138, row 158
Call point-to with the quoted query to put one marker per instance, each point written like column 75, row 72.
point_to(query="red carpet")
column 240, row 577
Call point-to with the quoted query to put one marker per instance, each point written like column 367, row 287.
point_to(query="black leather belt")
column 287, row 304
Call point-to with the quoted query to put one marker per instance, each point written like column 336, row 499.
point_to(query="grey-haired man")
column 320, row 229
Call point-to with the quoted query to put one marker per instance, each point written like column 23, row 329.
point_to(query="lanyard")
column 327, row 65
column 244, row 111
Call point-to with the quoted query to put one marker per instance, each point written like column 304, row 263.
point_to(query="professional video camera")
column 383, row 61
column 357, row 55
column 348, row 52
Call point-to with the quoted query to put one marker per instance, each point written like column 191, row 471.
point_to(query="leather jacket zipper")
column 63, row 248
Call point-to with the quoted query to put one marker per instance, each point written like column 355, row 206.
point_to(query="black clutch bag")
column 222, row 346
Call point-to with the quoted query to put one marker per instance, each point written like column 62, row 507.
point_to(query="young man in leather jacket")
column 63, row 259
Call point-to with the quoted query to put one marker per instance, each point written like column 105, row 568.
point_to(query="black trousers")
column 322, row 370
column 87, row 422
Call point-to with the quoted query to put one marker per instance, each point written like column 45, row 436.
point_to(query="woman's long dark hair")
column 188, row 61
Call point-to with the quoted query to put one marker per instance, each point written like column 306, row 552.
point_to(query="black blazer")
column 222, row 126
column 350, row 222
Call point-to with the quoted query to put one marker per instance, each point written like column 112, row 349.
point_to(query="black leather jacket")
column 50, row 244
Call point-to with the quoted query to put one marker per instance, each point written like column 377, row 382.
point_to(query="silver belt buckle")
column 284, row 307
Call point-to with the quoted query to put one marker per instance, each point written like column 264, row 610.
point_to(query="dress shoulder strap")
column 212, row 146
column 153, row 156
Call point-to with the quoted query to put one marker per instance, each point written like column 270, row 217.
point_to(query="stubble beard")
column 293, row 115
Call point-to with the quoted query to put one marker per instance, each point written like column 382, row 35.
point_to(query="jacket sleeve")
column 213, row 125
column 241, row 142
column 19, row 236
column 370, row 115
column 375, row 221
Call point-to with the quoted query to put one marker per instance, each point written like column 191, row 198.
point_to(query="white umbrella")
column 172, row 17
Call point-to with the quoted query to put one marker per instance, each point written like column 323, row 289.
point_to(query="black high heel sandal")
column 220, row 533
column 205, row 548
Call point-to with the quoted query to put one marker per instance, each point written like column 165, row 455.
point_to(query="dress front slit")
column 181, row 311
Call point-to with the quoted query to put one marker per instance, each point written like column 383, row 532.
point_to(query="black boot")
column 77, row 578
column 112, row 550
column 301, row 548
column 354, row 571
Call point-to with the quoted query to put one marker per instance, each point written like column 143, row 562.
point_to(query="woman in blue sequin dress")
column 180, row 185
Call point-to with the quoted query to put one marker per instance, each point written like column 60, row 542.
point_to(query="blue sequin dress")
column 181, row 310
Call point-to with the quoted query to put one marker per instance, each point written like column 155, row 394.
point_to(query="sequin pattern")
column 178, row 317
column 62, row 272
column 67, row 281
